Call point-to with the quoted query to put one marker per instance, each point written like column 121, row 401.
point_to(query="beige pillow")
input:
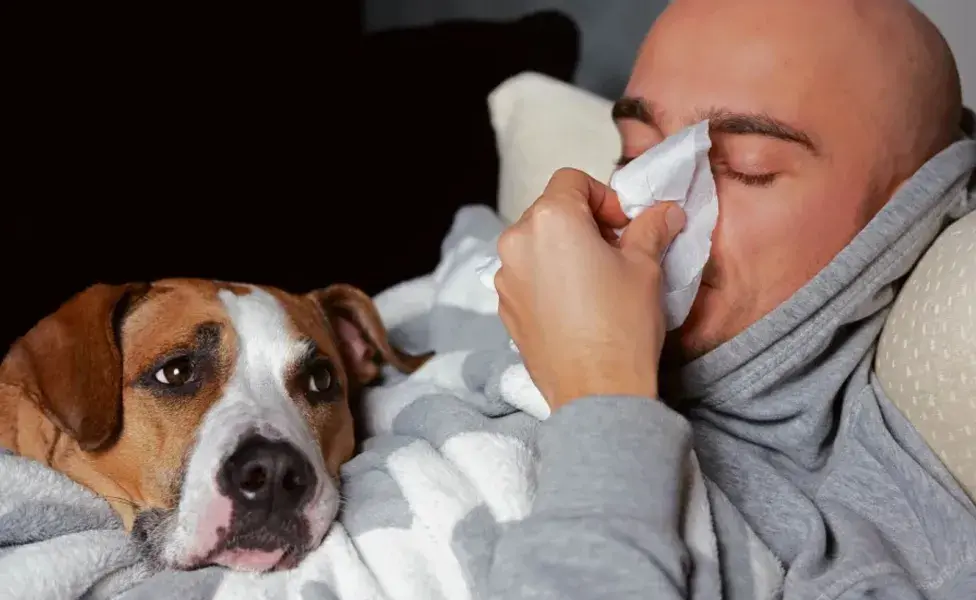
column 542, row 124
column 926, row 358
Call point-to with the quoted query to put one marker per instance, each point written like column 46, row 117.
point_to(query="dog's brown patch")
column 167, row 320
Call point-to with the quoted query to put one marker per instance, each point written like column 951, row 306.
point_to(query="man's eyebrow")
column 723, row 121
column 637, row 109
column 720, row 121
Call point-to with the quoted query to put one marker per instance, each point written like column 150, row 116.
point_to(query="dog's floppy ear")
column 361, row 333
column 70, row 365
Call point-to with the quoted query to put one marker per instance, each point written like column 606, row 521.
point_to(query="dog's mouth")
column 260, row 542
column 149, row 532
column 251, row 543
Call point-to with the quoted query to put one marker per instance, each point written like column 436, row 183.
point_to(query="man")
column 838, row 158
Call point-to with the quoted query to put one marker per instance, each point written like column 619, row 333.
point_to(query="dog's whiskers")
column 123, row 500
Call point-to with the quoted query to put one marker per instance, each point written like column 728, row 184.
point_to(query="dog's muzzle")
column 269, row 484
column 271, row 480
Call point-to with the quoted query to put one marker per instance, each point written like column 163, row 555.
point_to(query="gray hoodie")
column 794, row 435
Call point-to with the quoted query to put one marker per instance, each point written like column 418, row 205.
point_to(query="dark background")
column 244, row 146
column 610, row 31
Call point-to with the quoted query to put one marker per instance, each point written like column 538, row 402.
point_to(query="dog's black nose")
column 269, row 475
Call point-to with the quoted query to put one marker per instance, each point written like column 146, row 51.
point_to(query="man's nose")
column 267, row 475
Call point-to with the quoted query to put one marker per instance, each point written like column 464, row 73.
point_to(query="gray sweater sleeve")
column 605, row 523
column 897, row 586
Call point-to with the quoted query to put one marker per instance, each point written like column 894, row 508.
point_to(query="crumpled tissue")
column 675, row 170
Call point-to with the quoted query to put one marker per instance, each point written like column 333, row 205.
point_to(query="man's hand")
column 584, row 310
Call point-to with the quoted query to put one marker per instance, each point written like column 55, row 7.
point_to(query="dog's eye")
column 176, row 372
column 320, row 379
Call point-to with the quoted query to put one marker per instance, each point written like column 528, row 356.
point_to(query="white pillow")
column 542, row 124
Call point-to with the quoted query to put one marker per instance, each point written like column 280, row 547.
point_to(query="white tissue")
column 675, row 170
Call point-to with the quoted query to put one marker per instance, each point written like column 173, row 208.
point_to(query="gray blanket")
column 450, row 462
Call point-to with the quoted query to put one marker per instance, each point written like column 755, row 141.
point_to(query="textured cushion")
column 927, row 355
column 926, row 359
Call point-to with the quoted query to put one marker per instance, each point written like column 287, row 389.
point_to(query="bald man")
column 839, row 157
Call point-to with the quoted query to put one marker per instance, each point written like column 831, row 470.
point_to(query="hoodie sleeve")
column 895, row 585
column 607, row 513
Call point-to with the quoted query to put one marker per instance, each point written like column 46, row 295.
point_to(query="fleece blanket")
column 450, row 462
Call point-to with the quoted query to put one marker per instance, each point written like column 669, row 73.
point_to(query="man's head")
column 820, row 110
column 213, row 416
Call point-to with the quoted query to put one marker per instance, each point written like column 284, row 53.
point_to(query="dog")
column 212, row 416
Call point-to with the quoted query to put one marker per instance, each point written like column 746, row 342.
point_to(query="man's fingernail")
column 675, row 218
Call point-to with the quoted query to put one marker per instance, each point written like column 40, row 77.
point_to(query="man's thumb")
column 652, row 231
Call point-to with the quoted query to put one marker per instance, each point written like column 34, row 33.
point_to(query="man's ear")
column 70, row 365
column 361, row 333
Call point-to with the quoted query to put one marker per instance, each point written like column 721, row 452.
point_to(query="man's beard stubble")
column 680, row 349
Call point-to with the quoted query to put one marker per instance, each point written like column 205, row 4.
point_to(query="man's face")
column 797, row 166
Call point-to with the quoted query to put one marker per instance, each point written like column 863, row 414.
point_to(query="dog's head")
column 213, row 416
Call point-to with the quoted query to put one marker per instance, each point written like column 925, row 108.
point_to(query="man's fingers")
column 610, row 236
column 505, row 314
column 596, row 197
column 499, row 283
column 653, row 230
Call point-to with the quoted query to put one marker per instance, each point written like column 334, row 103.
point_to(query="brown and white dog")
column 214, row 417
